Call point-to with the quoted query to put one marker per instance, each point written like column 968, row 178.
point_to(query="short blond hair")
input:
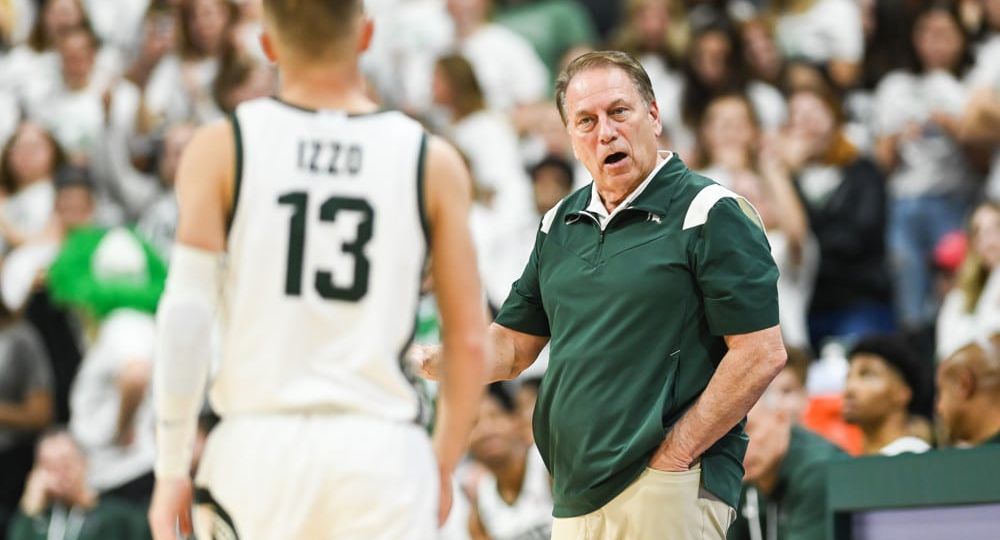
column 314, row 27
column 604, row 59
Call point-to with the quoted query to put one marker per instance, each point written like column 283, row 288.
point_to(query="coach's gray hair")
column 599, row 59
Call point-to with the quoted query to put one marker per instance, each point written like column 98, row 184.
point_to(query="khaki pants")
column 658, row 505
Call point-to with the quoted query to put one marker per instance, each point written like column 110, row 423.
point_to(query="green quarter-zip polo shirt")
column 636, row 305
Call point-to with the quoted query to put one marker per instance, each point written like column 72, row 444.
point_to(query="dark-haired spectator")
column 656, row 32
column 788, row 465
column 241, row 78
column 929, row 178
column 507, row 67
column 158, row 223
column 489, row 143
column 763, row 58
column 884, row 380
column 80, row 105
column 25, row 405
column 31, row 70
column 968, row 388
column 27, row 195
column 972, row 308
column 732, row 153
column 715, row 67
column 789, row 388
column 845, row 197
column 58, row 503
column 514, row 500
column 827, row 33
column 180, row 87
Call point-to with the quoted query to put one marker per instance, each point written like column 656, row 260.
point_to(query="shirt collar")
column 596, row 206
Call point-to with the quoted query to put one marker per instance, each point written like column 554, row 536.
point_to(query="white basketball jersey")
column 325, row 254
column 530, row 517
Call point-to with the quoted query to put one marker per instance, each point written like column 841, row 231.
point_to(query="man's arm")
column 33, row 413
column 448, row 192
column 133, row 380
column 752, row 362
column 511, row 352
column 184, row 319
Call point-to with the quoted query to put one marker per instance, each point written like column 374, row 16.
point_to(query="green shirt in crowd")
column 109, row 520
column 801, row 489
column 636, row 311
column 551, row 26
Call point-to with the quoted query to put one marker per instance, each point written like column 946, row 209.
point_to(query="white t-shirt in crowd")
column 507, row 67
column 30, row 209
column 903, row 445
column 932, row 163
column 829, row 30
column 117, row 22
column 170, row 96
column 124, row 336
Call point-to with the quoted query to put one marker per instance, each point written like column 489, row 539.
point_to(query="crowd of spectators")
column 865, row 132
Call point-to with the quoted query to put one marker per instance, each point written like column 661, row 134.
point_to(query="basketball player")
column 304, row 223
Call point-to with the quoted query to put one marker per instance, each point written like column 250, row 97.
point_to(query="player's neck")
column 338, row 87
column 879, row 436
column 510, row 478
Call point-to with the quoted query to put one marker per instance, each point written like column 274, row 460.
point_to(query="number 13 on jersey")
column 323, row 279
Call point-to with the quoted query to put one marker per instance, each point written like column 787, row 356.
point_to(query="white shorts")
column 287, row 477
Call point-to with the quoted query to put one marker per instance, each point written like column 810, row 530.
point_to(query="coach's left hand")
column 170, row 509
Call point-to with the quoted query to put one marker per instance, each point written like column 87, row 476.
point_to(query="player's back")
column 325, row 254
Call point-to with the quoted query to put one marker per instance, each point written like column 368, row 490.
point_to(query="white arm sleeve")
column 184, row 323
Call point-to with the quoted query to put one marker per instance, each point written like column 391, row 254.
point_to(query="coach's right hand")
column 170, row 509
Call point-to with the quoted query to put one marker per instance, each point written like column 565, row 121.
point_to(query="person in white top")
column 304, row 224
column 972, row 309
column 508, row 68
column 27, row 195
column 883, row 385
column 514, row 500
column 825, row 32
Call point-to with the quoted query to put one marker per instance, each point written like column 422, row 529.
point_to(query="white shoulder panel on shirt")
column 705, row 200
column 550, row 216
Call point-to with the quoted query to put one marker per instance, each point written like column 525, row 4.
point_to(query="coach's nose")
column 607, row 132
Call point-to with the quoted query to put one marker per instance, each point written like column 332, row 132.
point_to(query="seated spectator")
column 655, row 33
column 32, row 69
column 971, row 310
column 79, row 106
column 918, row 144
column 732, row 154
column 715, row 67
column 58, row 503
column 509, row 70
column 845, row 198
column 27, row 195
column 488, row 141
column 514, row 500
column 827, row 33
column 883, row 381
column 180, row 87
column 788, row 465
column 968, row 387
column 158, row 223
column 789, row 387
column 25, row 405
column 115, row 281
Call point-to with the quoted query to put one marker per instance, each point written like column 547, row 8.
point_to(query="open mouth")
column 615, row 158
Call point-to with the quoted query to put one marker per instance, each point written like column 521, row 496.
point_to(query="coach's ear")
column 365, row 36
column 268, row 46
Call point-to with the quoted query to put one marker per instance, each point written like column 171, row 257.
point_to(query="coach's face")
column 613, row 130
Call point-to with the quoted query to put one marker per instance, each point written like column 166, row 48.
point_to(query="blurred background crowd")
column 866, row 132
